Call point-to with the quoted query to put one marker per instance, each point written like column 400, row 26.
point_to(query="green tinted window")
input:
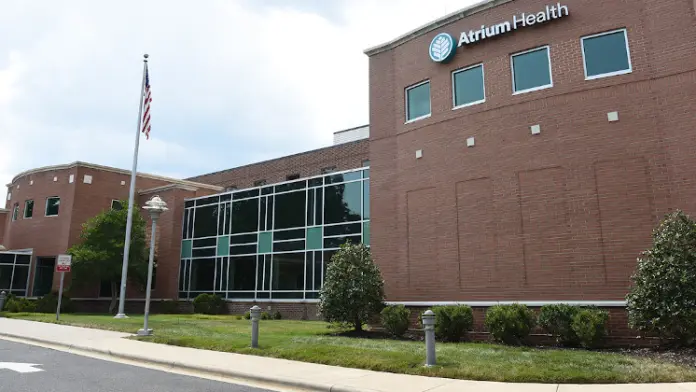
column 418, row 101
column 468, row 86
column 531, row 70
column 606, row 54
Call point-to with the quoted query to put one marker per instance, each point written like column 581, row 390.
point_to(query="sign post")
column 63, row 264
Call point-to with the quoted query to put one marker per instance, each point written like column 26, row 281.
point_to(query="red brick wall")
column 344, row 156
column 4, row 216
column 79, row 201
column 557, row 216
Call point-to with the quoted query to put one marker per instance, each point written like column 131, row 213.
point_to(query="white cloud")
column 232, row 80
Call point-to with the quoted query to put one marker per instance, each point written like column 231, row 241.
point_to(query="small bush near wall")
column 510, row 324
column 590, row 326
column 49, row 303
column 209, row 304
column 395, row 319
column 451, row 322
column 20, row 305
column 557, row 320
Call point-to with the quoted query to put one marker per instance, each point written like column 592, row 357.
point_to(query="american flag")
column 146, row 127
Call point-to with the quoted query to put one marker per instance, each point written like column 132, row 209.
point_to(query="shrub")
column 451, row 322
column 661, row 298
column 510, row 324
column 353, row 288
column 21, row 305
column 247, row 315
column 49, row 303
column 395, row 319
column 557, row 320
column 265, row 316
column 209, row 304
column 277, row 315
column 590, row 326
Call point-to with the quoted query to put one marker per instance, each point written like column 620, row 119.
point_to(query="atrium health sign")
column 443, row 48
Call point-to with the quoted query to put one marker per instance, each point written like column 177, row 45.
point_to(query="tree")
column 662, row 299
column 353, row 288
column 99, row 256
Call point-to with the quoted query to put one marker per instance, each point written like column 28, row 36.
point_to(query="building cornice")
column 110, row 169
column 436, row 24
column 164, row 188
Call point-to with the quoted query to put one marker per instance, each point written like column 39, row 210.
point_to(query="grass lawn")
column 315, row 342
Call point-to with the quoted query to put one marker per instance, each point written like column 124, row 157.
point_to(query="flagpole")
column 129, row 222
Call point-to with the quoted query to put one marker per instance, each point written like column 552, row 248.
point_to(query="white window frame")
column 512, row 68
column 430, row 102
column 112, row 203
column 15, row 212
column 24, row 215
column 609, row 74
column 454, row 90
column 46, row 209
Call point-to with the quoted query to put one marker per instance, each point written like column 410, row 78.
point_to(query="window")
column 52, row 204
column 260, row 182
column 418, row 101
column 15, row 212
column 468, row 86
column 230, row 188
column 289, row 210
column 116, row 205
column 606, row 54
column 14, row 273
column 531, row 70
column 292, row 177
column 28, row 209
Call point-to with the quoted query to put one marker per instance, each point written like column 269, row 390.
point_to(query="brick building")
column 518, row 151
column 46, row 207
column 524, row 150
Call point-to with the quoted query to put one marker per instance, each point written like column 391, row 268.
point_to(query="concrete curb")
column 240, row 375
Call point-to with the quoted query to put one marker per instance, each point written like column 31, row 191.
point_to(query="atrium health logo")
column 442, row 48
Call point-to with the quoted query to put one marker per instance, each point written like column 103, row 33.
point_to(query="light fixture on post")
column 154, row 207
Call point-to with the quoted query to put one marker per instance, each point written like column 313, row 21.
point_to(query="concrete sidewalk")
column 278, row 373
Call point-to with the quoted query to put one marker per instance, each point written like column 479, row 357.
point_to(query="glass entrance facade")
column 14, row 272
column 272, row 242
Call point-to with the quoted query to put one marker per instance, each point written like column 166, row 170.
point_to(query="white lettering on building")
column 518, row 21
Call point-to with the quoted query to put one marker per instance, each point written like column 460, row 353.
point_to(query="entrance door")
column 43, row 278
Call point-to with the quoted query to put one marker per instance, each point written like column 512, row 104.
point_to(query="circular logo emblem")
column 442, row 48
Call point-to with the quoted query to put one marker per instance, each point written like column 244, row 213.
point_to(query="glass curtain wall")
column 274, row 241
column 14, row 273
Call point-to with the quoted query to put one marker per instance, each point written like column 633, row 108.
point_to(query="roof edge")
column 174, row 186
column 108, row 168
column 436, row 24
column 282, row 157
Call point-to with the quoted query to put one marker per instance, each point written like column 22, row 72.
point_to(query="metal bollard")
column 3, row 297
column 255, row 316
column 429, row 326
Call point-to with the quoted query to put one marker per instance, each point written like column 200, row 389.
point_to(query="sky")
column 233, row 81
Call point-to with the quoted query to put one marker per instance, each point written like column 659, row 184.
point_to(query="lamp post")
column 155, row 207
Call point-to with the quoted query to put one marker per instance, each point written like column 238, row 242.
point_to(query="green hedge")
column 451, row 322
column 510, row 324
column 209, row 304
column 395, row 319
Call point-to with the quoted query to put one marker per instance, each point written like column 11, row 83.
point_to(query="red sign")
column 63, row 263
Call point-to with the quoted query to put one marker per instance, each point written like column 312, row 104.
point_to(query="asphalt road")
column 64, row 372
